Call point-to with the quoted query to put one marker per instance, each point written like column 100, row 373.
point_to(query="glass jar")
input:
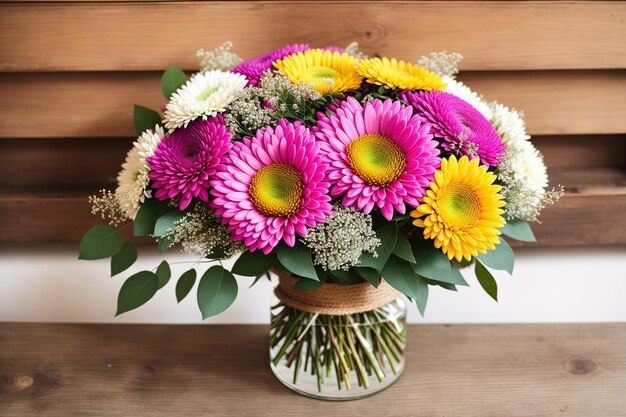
column 338, row 357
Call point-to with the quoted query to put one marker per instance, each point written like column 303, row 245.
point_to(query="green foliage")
column 402, row 249
column 185, row 284
column 164, row 243
column 388, row 236
column 147, row 216
column 501, row 258
column 167, row 222
column 122, row 260
column 297, row 260
column 145, row 119
column 486, row 280
column 305, row 284
column 431, row 263
column 518, row 229
column 216, row 291
column 345, row 277
column 136, row 291
column 422, row 295
column 253, row 264
column 369, row 274
column 100, row 241
column 163, row 273
column 173, row 78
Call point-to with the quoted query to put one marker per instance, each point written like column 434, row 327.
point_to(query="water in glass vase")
column 338, row 357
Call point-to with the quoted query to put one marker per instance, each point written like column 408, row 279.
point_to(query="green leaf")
column 185, row 284
column 167, row 222
column 305, row 284
column 422, row 297
column 136, row 291
column 501, row 258
column 456, row 277
column 173, row 78
column 370, row 275
column 147, row 216
column 122, row 260
column 431, row 263
column 465, row 263
column 449, row 287
column 164, row 243
column 486, row 280
column 145, row 119
column 400, row 275
column 518, row 229
column 297, row 260
column 100, row 241
column 216, row 291
column 388, row 236
column 253, row 264
column 403, row 249
column 345, row 277
column 163, row 273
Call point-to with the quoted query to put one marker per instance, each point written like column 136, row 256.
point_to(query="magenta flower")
column 379, row 154
column 185, row 160
column 272, row 187
column 464, row 130
column 254, row 68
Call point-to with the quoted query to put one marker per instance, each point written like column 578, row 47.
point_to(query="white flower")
column 442, row 63
column 218, row 59
column 148, row 142
column 530, row 168
column 132, row 183
column 457, row 88
column 510, row 125
column 203, row 95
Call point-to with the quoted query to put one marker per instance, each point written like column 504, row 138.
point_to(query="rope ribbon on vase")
column 335, row 299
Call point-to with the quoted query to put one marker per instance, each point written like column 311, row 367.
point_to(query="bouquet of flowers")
column 354, row 179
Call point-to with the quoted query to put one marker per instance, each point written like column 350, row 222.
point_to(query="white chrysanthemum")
column 132, row 184
column 530, row 168
column 460, row 90
column 148, row 142
column 203, row 95
column 509, row 123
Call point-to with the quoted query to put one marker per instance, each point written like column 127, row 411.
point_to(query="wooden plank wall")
column 70, row 72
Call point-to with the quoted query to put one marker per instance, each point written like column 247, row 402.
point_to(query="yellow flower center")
column 319, row 75
column 459, row 206
column 276, row 190
column 376, row 159
column 204, row 95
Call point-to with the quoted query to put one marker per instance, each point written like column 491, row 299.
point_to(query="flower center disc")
column 276, row 190
column 376, row 159
column 204, row 95
column 459, row 206
column 319, row 75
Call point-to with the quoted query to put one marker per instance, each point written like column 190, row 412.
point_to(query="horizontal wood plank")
column 511, row 35
column 89, row 105
column 577, row 370
column 594, row 204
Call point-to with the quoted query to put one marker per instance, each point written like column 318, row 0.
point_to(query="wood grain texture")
column 152, row 36
column 576, row 370
column 586, row 215
column 100, row 104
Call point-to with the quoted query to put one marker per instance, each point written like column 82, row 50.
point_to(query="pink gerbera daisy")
column 272, row 187
column 379, row 153
column 464, row 129
column 254, row 68
column 185, row 160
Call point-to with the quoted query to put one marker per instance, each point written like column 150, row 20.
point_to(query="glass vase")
column 338, row 357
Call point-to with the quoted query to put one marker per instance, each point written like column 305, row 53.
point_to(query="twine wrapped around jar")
column 335, row 299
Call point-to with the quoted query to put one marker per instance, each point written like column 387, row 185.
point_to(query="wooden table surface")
column 208, row 370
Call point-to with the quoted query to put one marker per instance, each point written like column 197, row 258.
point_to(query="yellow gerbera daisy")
column 328, row 71
column 392, row 73
column 462, row 209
